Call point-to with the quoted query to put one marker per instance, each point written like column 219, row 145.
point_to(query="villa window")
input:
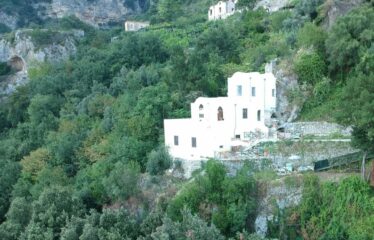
column 176, row 140
column 220, row 114
column 211, row 12
column 239, row 90
column 193, row 142
column 273, row 92
column 259, row 115
column 245, row 113
column 220, row 10
column 201, row 109
column 253, row 92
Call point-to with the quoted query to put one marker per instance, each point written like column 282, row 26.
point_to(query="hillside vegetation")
column 78, row 141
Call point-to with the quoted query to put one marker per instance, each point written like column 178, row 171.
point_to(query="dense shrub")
column 90, row 124
column 42, row 37
column 350, row 39
column 4, row 68
column 311, row 35
column 310, row 67
column 158, row 161
column 4, row 28
column 228, row 202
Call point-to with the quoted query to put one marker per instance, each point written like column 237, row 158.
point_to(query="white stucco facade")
column 221, row 10
column 133, row 26
column 218, row 124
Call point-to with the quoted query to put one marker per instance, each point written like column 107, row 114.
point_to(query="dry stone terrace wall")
column 316, row 129
column 278, row 155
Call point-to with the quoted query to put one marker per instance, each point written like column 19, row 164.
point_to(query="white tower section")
column 218, row 124
column 221, row 10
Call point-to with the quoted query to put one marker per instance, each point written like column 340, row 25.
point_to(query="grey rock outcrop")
column 336, row 8
column 21, row 53
column 272, row 5
column 8, row 20
column 290, row 96
column 98, row 13
column 278, row 196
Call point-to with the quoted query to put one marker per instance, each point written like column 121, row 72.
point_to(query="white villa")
column 222, row 10
column 133, row 26
column 219, row 124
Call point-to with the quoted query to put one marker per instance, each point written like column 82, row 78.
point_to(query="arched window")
column 259, row 115
column 220, row 114
column 201, row 107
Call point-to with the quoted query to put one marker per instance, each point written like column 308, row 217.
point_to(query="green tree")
column 167, row 10
column 333, row 210
column 4, row 29
column 158, row 161
column 122, row 181
column 9, row 172
column 4, row 67
column 16, row 105
column 311, row 35
column 49, row 177
column 349, row 38
column 191, row 227
column 246, row 4
column 357, row 105
column 18, row 217
column 228, row 202
column 34, row 163
column 308, row 8
column 310, row 67
column 53, row 208
column 151, row 222
column 89, row 232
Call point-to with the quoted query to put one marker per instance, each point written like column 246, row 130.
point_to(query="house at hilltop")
column 222, row 10
column 133, row 26
column 220, row 124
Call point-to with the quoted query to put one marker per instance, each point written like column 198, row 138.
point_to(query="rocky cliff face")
column 21, row 53
column 8, row 20
column 290, row 95
column 277, row 195
column 272, row 5
column 98, row 13
column 334, row 9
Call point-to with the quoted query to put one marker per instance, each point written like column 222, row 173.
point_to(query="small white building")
column 133, row 26
column 222, row 10
column 219, row 124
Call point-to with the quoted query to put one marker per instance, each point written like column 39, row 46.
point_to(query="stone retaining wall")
column 316, row 128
